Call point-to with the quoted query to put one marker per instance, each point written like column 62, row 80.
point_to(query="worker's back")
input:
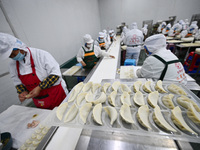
column 133, row 37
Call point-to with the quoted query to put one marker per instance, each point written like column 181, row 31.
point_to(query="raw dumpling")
column 153, row 99
column 143, row 116
column 176, row 89
column 61, row 110
column 146, row 87
column 159, row 87
column 112, row 113
column 138, row 98
column 177, row 118
column 90, row 98
column 84, row 111
column 136, row 86
column 167, row 101
column 105, row 87
column 79, row 87
column 160, row 121
column 71, row 114
column 116, row 85
column 80, row 98
column 125, row 88
column 193, row 114
column 125, row 98
column 87, row 87
column 96, row 112
column 112, row 97
column 125, row 113
column 72, row 95
column 95, row 86
column 182, row 99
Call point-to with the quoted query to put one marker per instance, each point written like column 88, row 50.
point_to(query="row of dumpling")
column 35, row 138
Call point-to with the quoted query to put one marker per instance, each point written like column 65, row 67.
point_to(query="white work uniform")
column 45, row 65
column 152, row 67
column 97, row 51
column 133, row 39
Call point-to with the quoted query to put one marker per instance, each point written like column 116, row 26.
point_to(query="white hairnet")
column 104, row 31
column 163, row 23
column 181, row 22
column 155, row 42
column 194, row 22
column 7, row 43
column 145, row 26
column 134, row 25
column 87, row 38
column 169, row 25
column 101, row 34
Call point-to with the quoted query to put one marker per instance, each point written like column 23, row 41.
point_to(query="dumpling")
column 61, row 110
column 177, row 118
column 125, row 98
column 182, row 99
column 80, row 98
column 160, row 121
column 79, row 87
column 95, row 86
column 112, row 97
column 87, row 87
column 193, row 114
column 125, row 88
column 167, row 101
column 138, row 98
column 125, row 113
column 105, row 87
column 71, row 114
column 116, row 85
column 146, row 87
column 96, row 112
column 90, row 98
column 112, row 113
column 143, row 116
column 159, row 87
column 176, row 89
column 136, row 86
column 152, row 98
column 84, row 111
column 72, row 95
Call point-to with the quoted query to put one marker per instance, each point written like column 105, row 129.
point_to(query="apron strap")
column 166, row 65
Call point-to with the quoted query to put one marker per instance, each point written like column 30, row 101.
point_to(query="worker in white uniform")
column 161, row 27
column 145, row 30
column 177, row 28
column 166, row 29
column 193, row 28
column 35, row 73
column 101, row 42
column 161, row 64
column 107, row 37
column 197, row 35
column 123, row 34
column 112, row 35
column 133, row 40
column 89, row 53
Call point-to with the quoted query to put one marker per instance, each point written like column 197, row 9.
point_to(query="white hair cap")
column 7, row 43
column 104, row 31
column 101, row 34
column 87, row 38
column 155, row 42
column 134, row 25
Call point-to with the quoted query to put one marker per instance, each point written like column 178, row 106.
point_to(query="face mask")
column 19, row 56
column 89, row 45
column 149, row 53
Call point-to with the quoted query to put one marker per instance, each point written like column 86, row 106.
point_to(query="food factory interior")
column 99, row 74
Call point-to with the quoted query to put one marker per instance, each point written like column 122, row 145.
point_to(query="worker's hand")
column 22, row 96
column 112, row 56
column 83, row 63
column 35, row 92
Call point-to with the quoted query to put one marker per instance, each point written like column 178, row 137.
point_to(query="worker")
column 101, row 42
column 166, row 29
column 161, row 64
column 112, row 35
column 161, row 27
column 35, row 73
column 177, row 28
column 186, row 24
column 89, row 53
column 193, row 28
column 197, row 35
column 107, row 37
column 133, row 40
column 123, row 35
column 145, row 30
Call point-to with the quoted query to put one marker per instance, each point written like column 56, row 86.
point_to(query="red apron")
column 48, row 98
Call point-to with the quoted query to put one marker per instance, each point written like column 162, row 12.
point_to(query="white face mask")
column 89, row 46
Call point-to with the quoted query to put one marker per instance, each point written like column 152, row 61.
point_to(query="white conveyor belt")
column 108, row 66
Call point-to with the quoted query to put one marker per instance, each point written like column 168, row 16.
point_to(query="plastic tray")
column 136, row 129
